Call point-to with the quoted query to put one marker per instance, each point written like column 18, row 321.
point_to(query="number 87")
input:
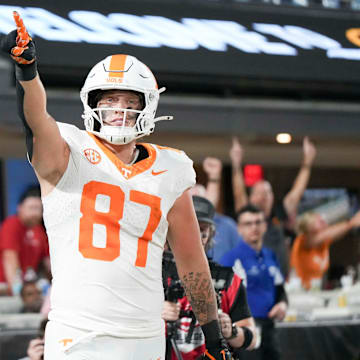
column 111, row 220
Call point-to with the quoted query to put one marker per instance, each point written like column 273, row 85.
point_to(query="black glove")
column 21, row 48
column 216, row 346
column 218, row 351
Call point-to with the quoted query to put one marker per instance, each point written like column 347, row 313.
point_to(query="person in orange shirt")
column 310, row 252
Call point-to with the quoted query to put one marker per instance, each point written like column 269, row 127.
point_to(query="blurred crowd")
column 267, row 244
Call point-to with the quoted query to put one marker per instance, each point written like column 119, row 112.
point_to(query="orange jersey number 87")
column 111, row 220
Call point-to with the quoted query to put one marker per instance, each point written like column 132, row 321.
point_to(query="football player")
column 108, row 205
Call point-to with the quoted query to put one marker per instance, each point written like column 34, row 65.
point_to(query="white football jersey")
column 106, row 223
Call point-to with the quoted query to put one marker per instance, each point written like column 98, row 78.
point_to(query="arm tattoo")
column 200, row 292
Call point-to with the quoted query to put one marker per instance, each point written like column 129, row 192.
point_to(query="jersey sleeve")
column 185, row 176
column 72, row 135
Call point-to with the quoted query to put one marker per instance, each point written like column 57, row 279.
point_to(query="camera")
column 171, row 282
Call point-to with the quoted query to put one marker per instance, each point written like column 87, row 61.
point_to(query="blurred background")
column 250, row 69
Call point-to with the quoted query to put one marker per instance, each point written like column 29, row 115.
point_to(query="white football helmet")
column 121, row 72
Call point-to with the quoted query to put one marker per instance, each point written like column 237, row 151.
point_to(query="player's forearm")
column 196, row 280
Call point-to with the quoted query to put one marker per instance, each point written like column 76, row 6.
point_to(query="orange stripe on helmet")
column 117, row 66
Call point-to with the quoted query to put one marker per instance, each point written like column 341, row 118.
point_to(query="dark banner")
column 182, row 39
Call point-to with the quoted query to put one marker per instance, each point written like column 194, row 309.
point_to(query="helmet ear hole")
column 96, row 125
column 142, row 99
column 94, row 97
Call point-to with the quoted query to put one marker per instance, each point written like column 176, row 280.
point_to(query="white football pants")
column 68, row 343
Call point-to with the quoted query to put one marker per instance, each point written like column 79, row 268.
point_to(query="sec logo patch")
column 92, row 155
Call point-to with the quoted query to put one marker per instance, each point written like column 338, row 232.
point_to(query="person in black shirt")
column 237, row 323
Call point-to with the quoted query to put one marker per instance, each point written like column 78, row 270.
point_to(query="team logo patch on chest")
column 92, row 155
column 126, row 172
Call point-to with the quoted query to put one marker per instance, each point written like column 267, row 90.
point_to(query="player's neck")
column 124, row 152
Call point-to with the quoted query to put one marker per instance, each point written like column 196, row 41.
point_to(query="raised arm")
column 47, row 150
column 293, row 197
column 193, row 269
column 213, row 168
column 335, row 231
column 238, row 184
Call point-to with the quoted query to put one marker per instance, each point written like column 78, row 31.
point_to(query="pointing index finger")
column 18, row 20
column 23, row 37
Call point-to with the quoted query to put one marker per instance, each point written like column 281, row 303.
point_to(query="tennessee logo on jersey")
column 65, row 341
column 126, row 172
column 92, row 155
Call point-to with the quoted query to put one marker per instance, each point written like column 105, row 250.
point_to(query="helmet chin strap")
column 111, row 133
column 116, row 135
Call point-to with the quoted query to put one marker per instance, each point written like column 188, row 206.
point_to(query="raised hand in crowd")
column 309, row 152
column 293, row 197
column 239, row 189
column 236, row 153
column 213, row 168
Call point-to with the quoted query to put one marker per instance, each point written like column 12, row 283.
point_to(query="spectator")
column 23, row 242
column 237, row 325
column 262, row 196
column 265, row 284
column 35, row 350
column 226, row 236
column 31, row 297
column 310, row 252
